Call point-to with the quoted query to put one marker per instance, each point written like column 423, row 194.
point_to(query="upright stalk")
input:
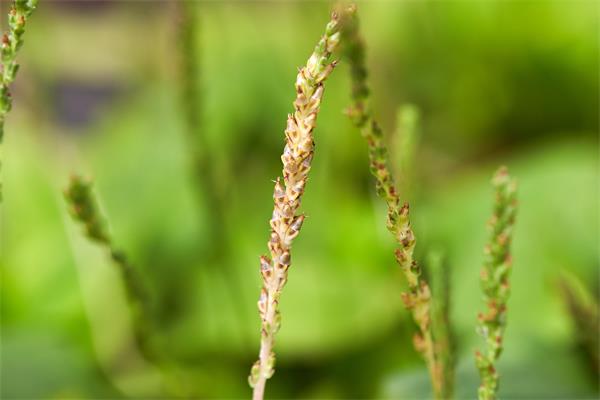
column 202, row 159
column 495, row 282
column 11, row 42
column 191, row 104
column 286, row 221
column 211, row 192
column 443, row 338
column 418, row 297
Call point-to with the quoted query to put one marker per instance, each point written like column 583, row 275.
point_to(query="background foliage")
column 99, row 93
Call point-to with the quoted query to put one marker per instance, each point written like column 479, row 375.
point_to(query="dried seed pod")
column 266, row 268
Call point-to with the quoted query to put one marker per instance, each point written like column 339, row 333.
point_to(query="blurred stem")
column 212, row 190
column 10, row 43
column 83, row 207
column 584, row 313
column 406, row 137
column 418, row 297
column 439, row 275
column 191, row 104
column 495, row 282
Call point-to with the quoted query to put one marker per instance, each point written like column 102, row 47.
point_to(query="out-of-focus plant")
column 443, row 337
column 188, row 70
column 406, row 138
column 211, row 191
column 11, row 42
column 188, row 73
column 495, row 282
column 83, row 207
column 286, row 222
column 583, row 310
column 418, row 297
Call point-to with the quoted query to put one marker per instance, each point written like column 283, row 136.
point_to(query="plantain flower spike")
column 286, row 220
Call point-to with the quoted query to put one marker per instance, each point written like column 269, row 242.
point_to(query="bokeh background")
column 181, row 130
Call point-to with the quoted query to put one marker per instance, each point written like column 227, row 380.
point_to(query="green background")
column 99, row 93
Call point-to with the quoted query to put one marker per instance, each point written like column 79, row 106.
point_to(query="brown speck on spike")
column 419, row 343
column 407, row 300
column 265, row 263
column 480, row 316
column 502, row 239
column 487, row 250
column 404, row 210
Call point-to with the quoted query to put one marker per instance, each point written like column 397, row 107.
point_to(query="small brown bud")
column 404, row 210
column 279, row 192
column 285, row 259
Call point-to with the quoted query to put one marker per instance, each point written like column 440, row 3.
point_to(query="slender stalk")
column 495, row 282
column 286, row 221
column 211, row 192
column 439, row 275
column 201, row 158
column 83, row 207
column 192, row 107
column 11, row 42
column 417, row 298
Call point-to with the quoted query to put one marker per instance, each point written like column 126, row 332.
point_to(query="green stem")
column 439, row 275
column 211, row 191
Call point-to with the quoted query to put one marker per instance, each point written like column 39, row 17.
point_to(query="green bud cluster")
column 10, row 44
